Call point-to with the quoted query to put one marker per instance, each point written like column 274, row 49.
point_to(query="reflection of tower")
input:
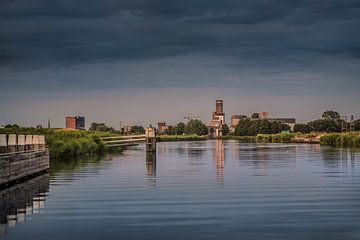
column 219, row 160
column 151, row 168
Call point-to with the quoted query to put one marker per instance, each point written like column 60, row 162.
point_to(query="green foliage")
column 325, row 125
column 64, row 144
column 303, row 128
column 175, row 138
column 261, row 126
column 341, row 140
column 275, row 138
column 137, row 130
column 101, row 127
column 225, row 130
column 357, row 125
column 179, row 129
column 195, row 126
column 331, row 115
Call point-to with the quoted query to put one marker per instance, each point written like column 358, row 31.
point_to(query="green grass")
column 175, row 138
column 341, row 139
column 275, row 138
column 64, row 143
column 240, row 138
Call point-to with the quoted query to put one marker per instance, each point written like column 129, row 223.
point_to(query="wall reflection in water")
column 18, row 202
column 151, row 168
column 219, row 160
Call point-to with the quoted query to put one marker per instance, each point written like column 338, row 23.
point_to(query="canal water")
column 192, row 190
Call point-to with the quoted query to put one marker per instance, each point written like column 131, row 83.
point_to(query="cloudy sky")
column 142, row 61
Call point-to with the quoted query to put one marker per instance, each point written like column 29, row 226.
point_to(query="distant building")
column 217, row 120
column 127, row 129
column 162, row 127
column 263, row 114
column 75, row 122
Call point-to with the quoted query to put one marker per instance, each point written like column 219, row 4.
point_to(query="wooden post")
column 150, row 140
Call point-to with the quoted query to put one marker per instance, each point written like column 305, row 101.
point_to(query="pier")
column 149, row 138
column 21, row 157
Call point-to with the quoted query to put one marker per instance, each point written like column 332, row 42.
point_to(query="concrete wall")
column 19, row 165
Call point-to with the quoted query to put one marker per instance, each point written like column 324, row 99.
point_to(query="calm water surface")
column 192, row 190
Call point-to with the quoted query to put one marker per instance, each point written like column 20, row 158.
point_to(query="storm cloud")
column 256, row 46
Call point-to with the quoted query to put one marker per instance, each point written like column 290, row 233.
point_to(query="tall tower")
column 219, row 106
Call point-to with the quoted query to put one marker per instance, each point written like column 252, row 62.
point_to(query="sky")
column 144, row 61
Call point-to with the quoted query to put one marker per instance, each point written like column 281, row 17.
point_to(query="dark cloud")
column 38, row 34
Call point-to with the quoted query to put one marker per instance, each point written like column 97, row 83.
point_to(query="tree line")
column 330, row 122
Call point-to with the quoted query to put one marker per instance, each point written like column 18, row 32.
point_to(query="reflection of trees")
column 334, row 157
column 219, row 160
column 22, row 199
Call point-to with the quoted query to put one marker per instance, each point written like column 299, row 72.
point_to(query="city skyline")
column 142, row 61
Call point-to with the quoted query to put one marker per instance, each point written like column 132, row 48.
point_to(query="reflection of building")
column 219, row 159
column 217, row 120
column 76, row 122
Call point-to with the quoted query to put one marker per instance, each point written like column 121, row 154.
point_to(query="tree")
column 357, row 125
column 195, row 126
column 101, row 127
column 137, row 129
column 225, row 129
column 303, row 128
column 180, row 129
column 331, row 115
column 259, row 126
column 325, row 125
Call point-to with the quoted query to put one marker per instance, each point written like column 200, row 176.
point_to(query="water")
column 194, row 190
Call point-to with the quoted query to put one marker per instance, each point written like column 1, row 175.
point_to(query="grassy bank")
column 175, row 138
column 275, row 138
column 239, row 138
column 341, row 139
column 64, row 143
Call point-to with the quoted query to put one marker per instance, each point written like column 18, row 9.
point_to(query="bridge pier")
column 150, row 140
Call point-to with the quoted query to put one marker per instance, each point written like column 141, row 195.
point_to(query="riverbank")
column 341, row 139
column 177, row 138
column 64, row 143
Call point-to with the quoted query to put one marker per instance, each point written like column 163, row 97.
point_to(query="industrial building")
column 217, row 120
column 162, row 127
column 75, row 122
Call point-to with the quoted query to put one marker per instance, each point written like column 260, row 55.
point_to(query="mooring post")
column 150, row 140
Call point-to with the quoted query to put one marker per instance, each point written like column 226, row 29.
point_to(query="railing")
column 13, row 143
column 117, row 141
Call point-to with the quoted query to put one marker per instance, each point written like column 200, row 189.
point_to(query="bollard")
column 21, row 143
column 12, row 143
column 28, row 142
column 3, row 143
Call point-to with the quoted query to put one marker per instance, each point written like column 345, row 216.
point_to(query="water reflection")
column 219, row 159
column 151, row 169
column 339, row 158
column 18, row 202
